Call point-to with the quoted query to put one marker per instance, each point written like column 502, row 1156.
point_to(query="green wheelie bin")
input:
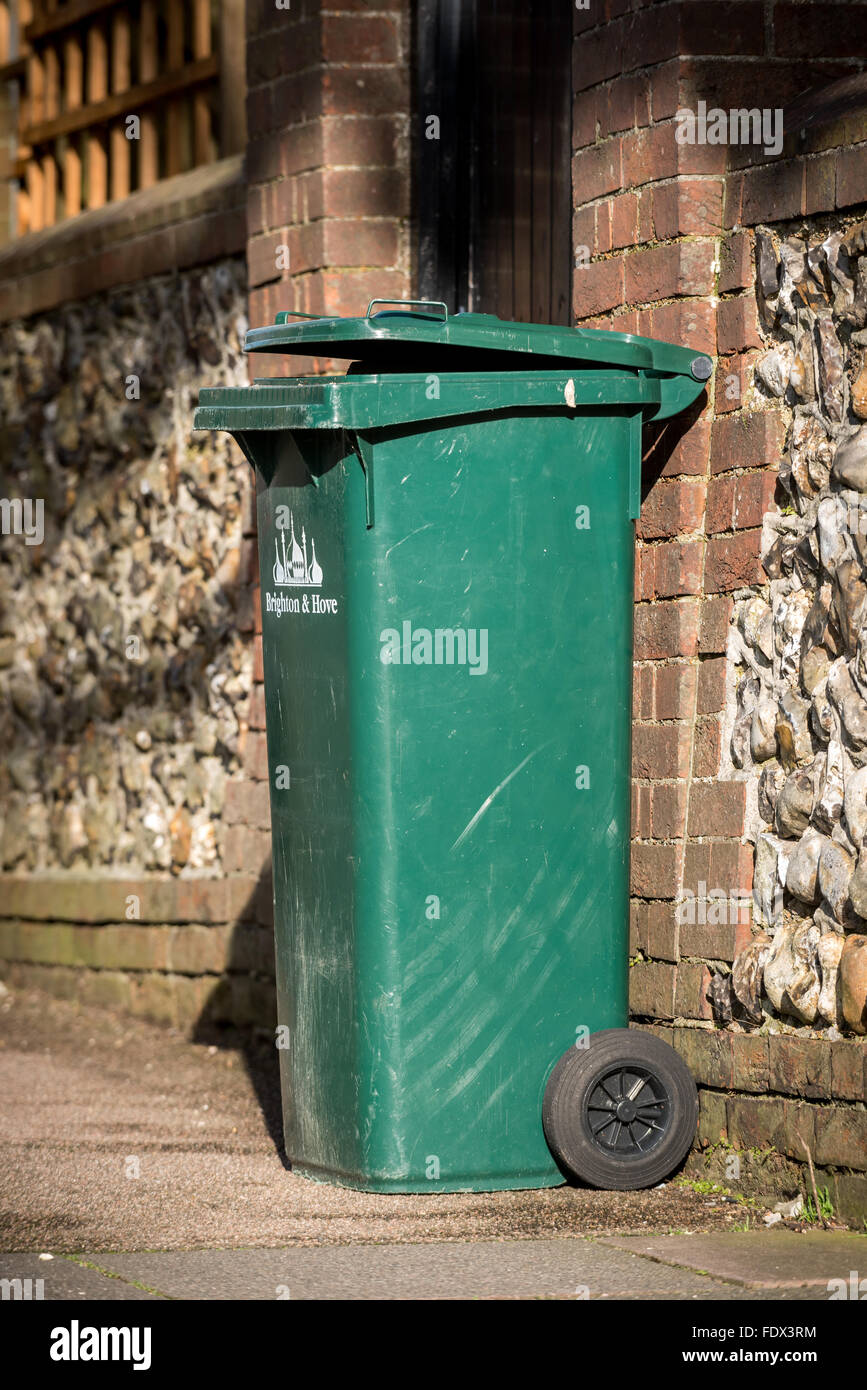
column 446, row 557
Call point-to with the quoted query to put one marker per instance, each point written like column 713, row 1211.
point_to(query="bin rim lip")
column 364, row 338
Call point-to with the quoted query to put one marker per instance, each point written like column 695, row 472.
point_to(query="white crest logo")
column 295, row 570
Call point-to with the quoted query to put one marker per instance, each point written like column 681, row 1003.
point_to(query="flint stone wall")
column 125, row 649
column 798, row 652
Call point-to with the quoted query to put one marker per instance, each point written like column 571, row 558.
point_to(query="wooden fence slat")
column 97, row 90
column 233, row 108
column 35, row 189
column 49, row 189
column 201, row 105
column 148, row 61
column 175, row 111
column 120, row 82
column 73, row 61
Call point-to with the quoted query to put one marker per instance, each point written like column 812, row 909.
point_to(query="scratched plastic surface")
column 450, row 838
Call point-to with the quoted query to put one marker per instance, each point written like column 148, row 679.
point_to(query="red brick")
column 597, row 170
column 664, row 90
column 674, row 692
column 852, row 176
column 359, row 38
column 648, row 155
column 655, row 870
column 663, row 272
column 584, row 235
column 354, row 193
column 677, row 569
column 748, row 440
column 603, row 227
column 707, row 747
column 360, row 243
column 728, row 27
column 841, row 1136
column 256, row 757
column 640, row 812
column 628, row 103
column 687, row 207
column 716, row 940
column 666, row 629
column 667, row 812
column 245, row 849
column 690, row 1000
column 733, row 562
column 817, row 30
column 733, row 200
column 637, row 927
column 722, row 864
column 739, row 503
column 584, row 106
column 367, row 141
column 731, row 864
column 750, row 1067
column 650, row 36
column 820, row 183
column 257, row 708
column 688, row 446
column 642, row 692
column 711, row 686
column 848, row 1071
column 624, row 220
column 737, row 324
column 732, row 380
column 717, row 808
column 597, row 287
column 660, row 750
column 800, row 1066
column 773, row 191
column 691, row 325
column 597, row 55
column 737, row 269
column 651, row 990
column 354, row 89
column 348, row 292
column 673, row 508
column 662, row 931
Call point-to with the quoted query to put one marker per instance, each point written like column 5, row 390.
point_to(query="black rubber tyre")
column 622, row 1112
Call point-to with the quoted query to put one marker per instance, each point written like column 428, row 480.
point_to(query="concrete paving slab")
column 558, row 1268
column 62, row 1279
column 761, row 1259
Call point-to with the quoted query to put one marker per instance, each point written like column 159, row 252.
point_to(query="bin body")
column 447, row 613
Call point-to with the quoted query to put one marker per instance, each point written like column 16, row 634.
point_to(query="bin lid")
column 423, row 334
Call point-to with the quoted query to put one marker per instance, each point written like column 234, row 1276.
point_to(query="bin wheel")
column 622, row 1112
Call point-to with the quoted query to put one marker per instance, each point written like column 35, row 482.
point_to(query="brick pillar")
column 328, row 157
column 661, row 250
column 328, row 192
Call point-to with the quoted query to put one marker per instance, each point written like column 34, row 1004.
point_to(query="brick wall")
column 328, row 196
column 328, row 204
column 663, row 233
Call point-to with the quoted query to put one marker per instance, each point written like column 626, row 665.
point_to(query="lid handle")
column 411, row 304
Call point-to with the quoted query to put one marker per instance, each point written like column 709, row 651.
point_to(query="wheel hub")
column 628, row 1111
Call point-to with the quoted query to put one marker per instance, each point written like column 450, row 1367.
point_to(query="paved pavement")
column 119, row 1136
column 748, row 1267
